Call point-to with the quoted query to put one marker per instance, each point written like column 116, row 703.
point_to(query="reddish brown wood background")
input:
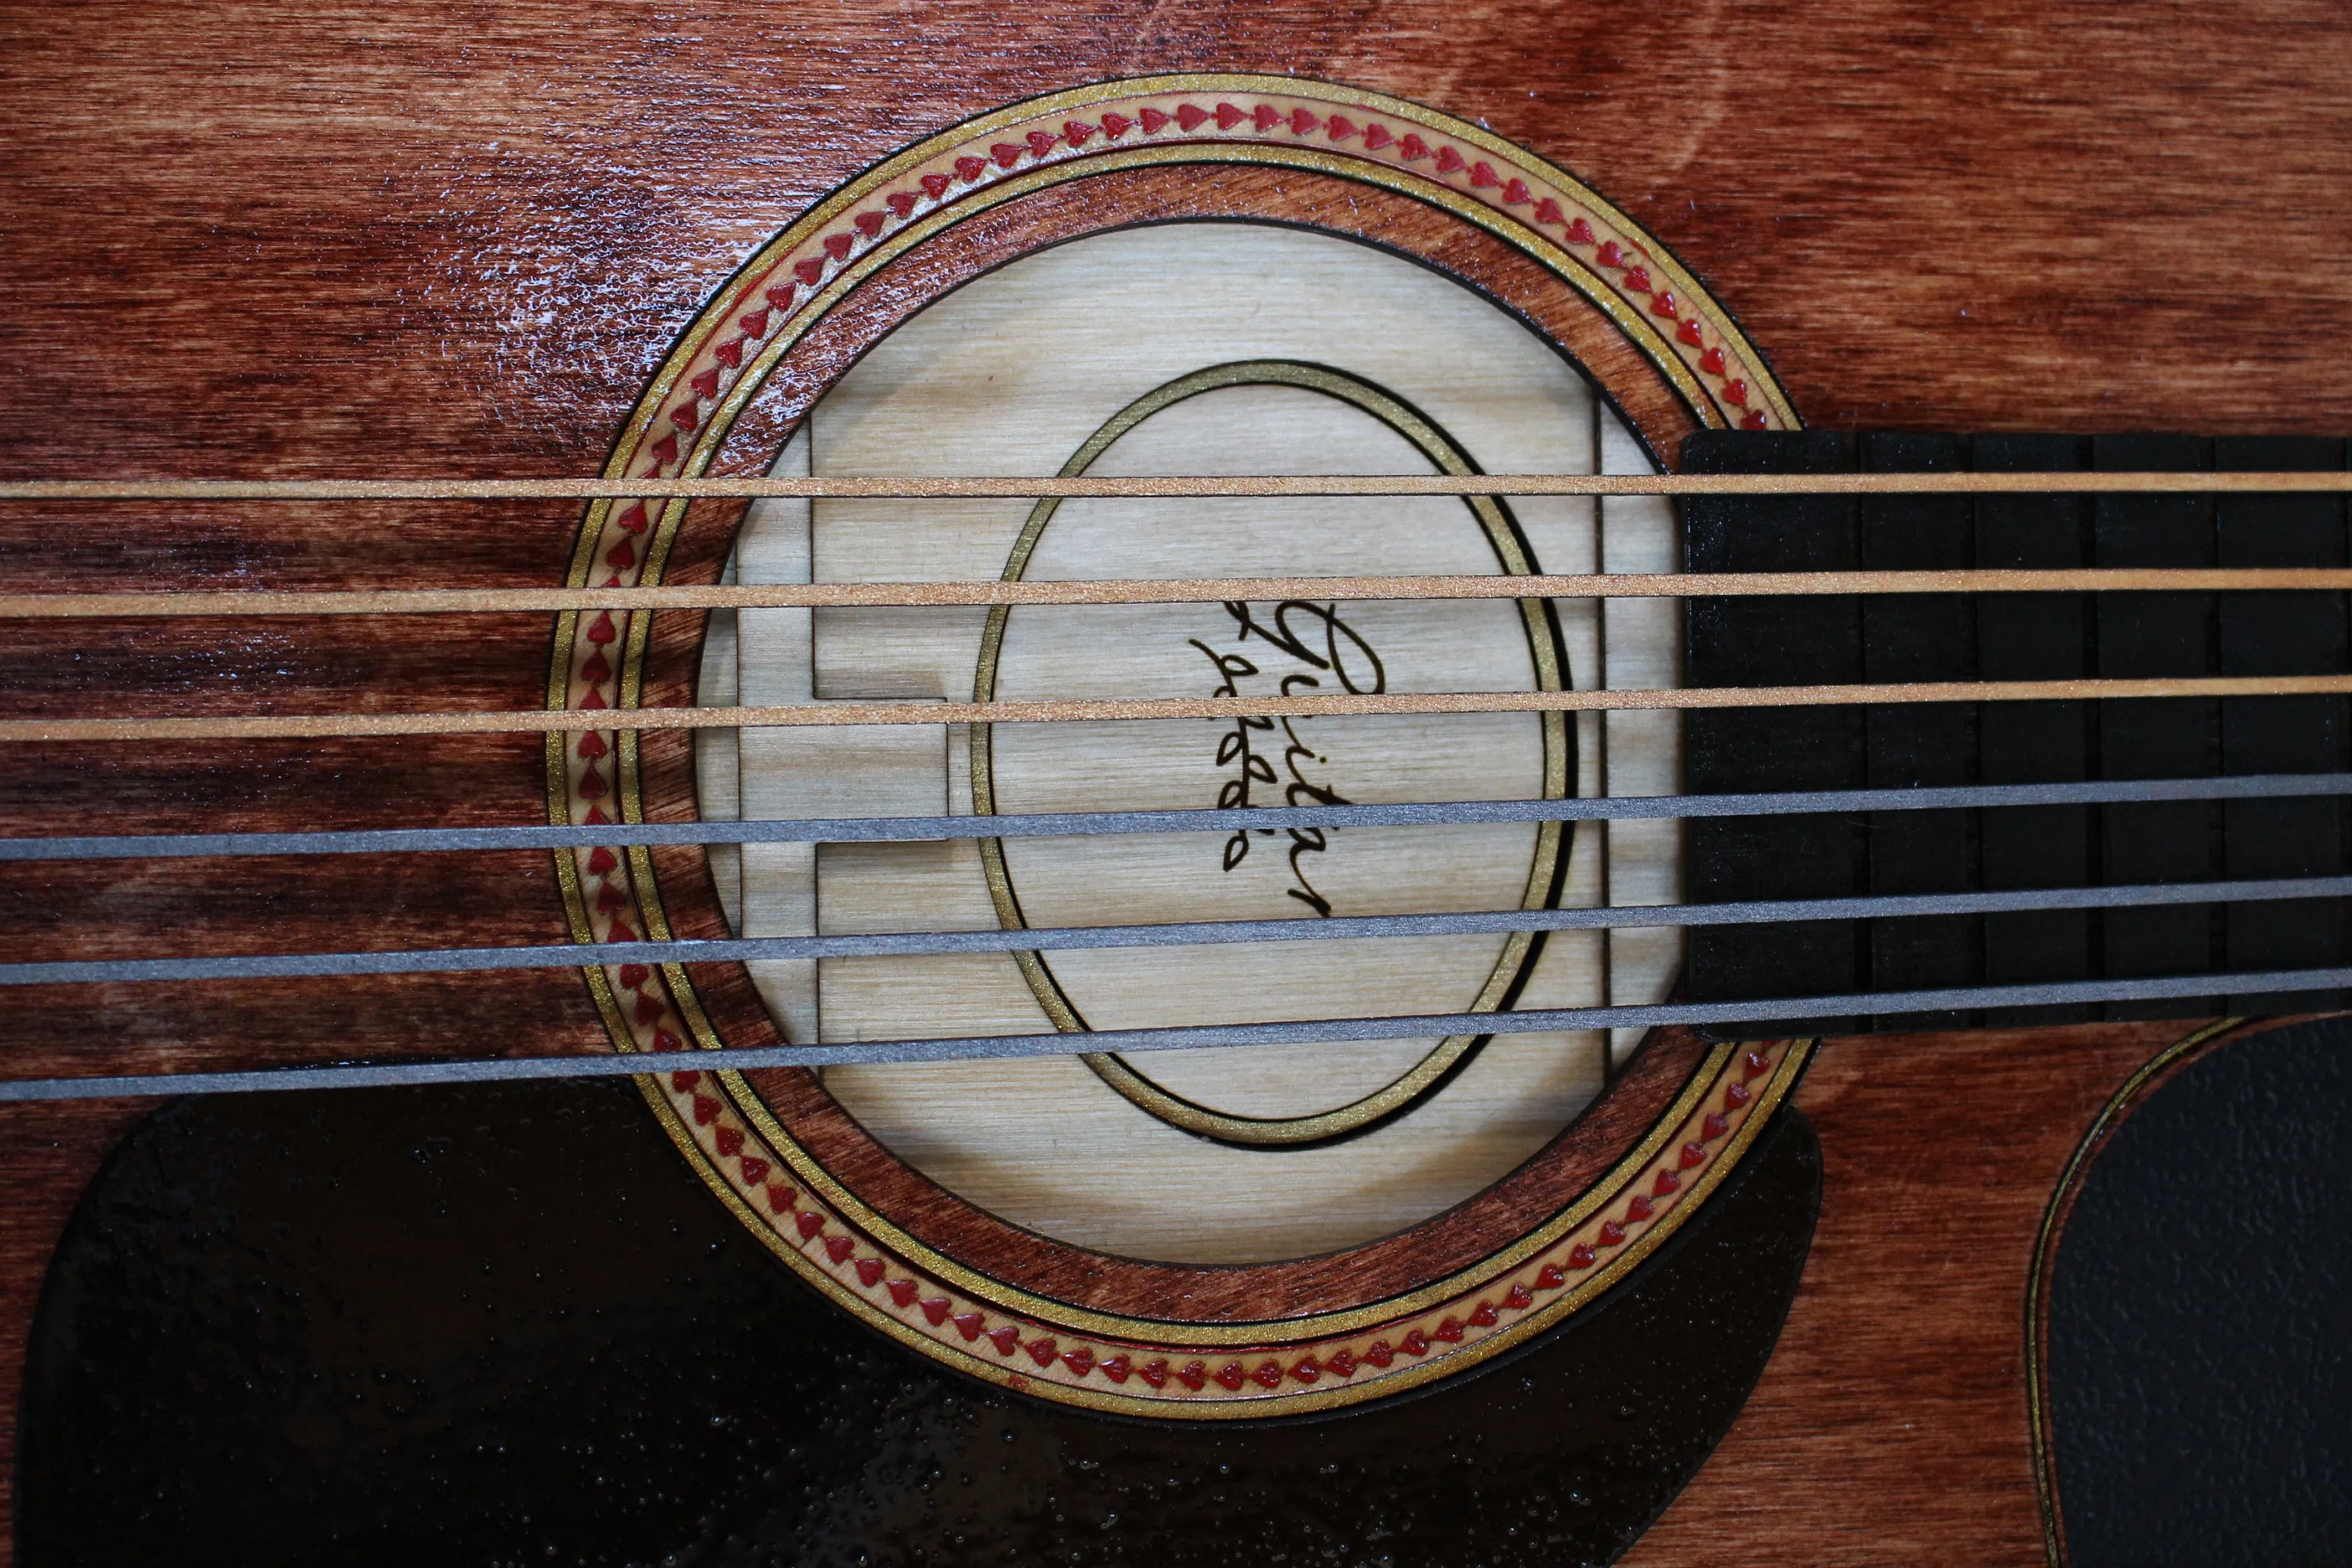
column 1890, row 1425
column 435, row 238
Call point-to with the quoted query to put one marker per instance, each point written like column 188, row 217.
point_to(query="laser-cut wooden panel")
column 1008, row 375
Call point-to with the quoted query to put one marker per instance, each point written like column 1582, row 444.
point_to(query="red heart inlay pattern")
column 607, row 891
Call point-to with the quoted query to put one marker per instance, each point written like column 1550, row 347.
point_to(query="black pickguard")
column 506, row 1326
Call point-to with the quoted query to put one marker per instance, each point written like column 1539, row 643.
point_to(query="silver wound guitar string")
column 1073, row 824
column 1023, row 939
column 1205, row 1037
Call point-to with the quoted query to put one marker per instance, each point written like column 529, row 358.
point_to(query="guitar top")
column 1653, row 1272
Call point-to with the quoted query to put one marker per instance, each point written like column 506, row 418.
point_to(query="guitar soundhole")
column 1249, row 413
column 1296, row 353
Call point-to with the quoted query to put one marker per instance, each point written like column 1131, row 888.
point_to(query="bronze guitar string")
column 1174, row 486
column 1191, row 590
column 1155, row 590
column 572, row 720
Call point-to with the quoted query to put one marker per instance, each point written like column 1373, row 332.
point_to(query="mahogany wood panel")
column 287, row 240
column 231, row 224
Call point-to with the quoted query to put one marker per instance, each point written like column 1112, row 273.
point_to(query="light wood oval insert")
column 1249, row 413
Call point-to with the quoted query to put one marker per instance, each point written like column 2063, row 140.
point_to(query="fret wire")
column 1056, row 939
column 1092, row 710
column 1039, row 486
column 1074, row 823
column 1168, row 591
column 1184, row 1038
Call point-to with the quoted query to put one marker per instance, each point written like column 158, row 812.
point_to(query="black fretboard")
column 2012, row 636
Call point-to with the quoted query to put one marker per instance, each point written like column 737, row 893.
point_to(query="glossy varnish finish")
column 275, row 241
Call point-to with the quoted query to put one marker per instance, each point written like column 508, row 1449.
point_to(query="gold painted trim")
column 2045, row 1257
column 737, row 291
column 1520, row 950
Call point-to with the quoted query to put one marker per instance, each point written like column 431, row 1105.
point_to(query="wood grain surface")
column 342, row 241
column 1890, row 1425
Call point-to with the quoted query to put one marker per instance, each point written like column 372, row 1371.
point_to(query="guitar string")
column 1069, row 823
column 1845, row 484
column 317, row 726
column 1160, row 591
column 2198, row 988
column 1186, row 486
column 1029, row 939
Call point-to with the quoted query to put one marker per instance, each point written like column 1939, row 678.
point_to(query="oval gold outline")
column 1520, row 949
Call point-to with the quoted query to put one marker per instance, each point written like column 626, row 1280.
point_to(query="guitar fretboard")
column 2019, row 637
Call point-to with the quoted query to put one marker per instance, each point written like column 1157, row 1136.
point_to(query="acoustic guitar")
column 1419, row 788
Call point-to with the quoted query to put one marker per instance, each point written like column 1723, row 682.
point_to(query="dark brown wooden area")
column 313, row 241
